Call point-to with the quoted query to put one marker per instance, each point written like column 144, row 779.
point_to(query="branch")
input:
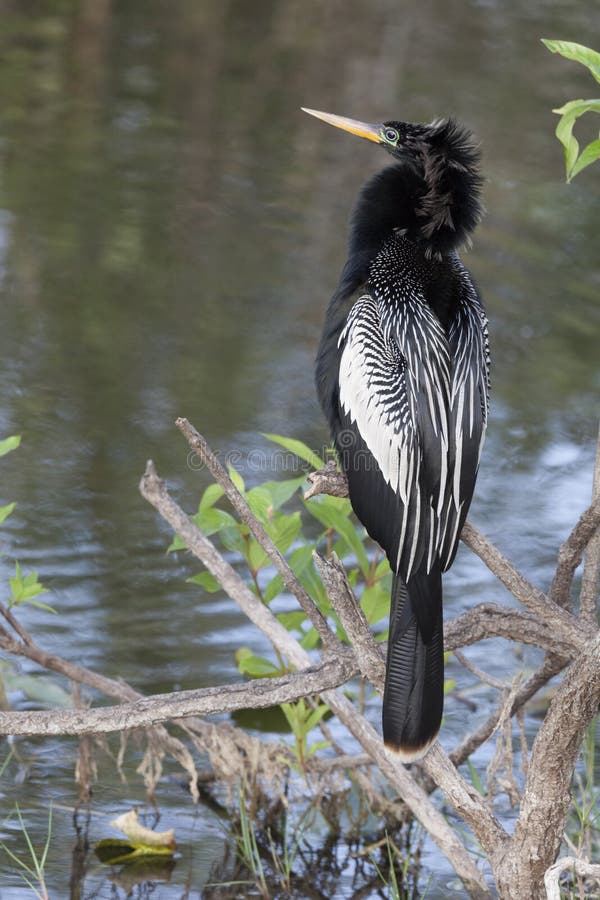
column 465, row 799
column 556, row 619
column 547, row 796
column 590, row 580
column 354, row 623
column 570, row 555
column 219, row 473
column 551, row 666
column 578, row 867
column 492, row 620
column 154, row 490
column 157, row 708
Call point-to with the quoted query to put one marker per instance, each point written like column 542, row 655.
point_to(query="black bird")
column 402, row 376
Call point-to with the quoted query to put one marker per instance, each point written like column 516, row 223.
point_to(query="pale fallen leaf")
column 135, row 832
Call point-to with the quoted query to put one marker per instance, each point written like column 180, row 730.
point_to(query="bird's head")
column 444, row 160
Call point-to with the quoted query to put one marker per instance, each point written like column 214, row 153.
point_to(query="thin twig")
column 220, row 474
column 551, row 666
column 479, row 673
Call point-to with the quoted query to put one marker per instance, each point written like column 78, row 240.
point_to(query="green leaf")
column 280, row 491
column 9, row 443
column 233, row 538
column 207, row 582
column 284, row 530
column 315, row 717
column 449, row 685
column 375, row 603
column 177, row 543
column 254, row 666
column 114, row 851
column 334, row 515
column 475, row 778
column 310, row 639
column 259, row 501
column 588, row 155
column 210, row 496
column 237, row 479
column 5, row 511
column 24, row 589
column 38, row 689
column 297, row 448
column 318, row 745
column 300, row 561
column 578, row 53
column 569, row 113
column 293, row 621
column 273, row 589
column 211, row 520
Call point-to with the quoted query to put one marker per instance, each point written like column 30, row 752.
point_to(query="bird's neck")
column 435, row 206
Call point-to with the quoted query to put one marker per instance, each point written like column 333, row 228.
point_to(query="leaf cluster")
column 575, row 161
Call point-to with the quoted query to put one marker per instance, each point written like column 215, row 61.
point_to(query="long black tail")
column 414, row 684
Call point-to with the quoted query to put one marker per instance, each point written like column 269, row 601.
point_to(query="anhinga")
column 402, row 376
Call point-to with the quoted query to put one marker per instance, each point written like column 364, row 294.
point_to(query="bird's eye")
column 391, row 135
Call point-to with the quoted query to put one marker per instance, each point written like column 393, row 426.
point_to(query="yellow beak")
column 362, row 129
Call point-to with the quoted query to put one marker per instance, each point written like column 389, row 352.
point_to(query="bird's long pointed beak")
column 362, row 129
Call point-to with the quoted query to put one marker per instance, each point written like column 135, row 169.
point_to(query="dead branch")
column 571, row 553
column 577, row 866
column 556, row 619
column 590, row 579
column 154, row 490
column 467, row 801
column 547, row 796
column 156, row 708
column 488, row 620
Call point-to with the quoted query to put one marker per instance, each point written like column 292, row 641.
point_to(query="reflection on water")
column 171, row 228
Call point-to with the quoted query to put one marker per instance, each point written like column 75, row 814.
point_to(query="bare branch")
column 492, row 620
column 578, row 867
column 590, row 580
column 571, row 553
column 479, row 673
column 156, row 708
column 220, row 474
column 154, row 490
column 328, row 480
column 551, row 666
column 466, row 800
column 547, row 796
column 353, row 620
column 555, row 618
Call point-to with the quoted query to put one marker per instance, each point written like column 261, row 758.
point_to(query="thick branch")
column 182, row 704
column 578, row 867
column 547, row 796
column 492, row 620
column 219, row 473
column 590, row 580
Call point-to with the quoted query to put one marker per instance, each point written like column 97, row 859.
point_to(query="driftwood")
column 519, row 862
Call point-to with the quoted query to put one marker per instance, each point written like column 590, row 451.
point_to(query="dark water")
column 171, row 227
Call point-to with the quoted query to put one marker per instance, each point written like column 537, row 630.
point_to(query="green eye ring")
column 390, row 135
